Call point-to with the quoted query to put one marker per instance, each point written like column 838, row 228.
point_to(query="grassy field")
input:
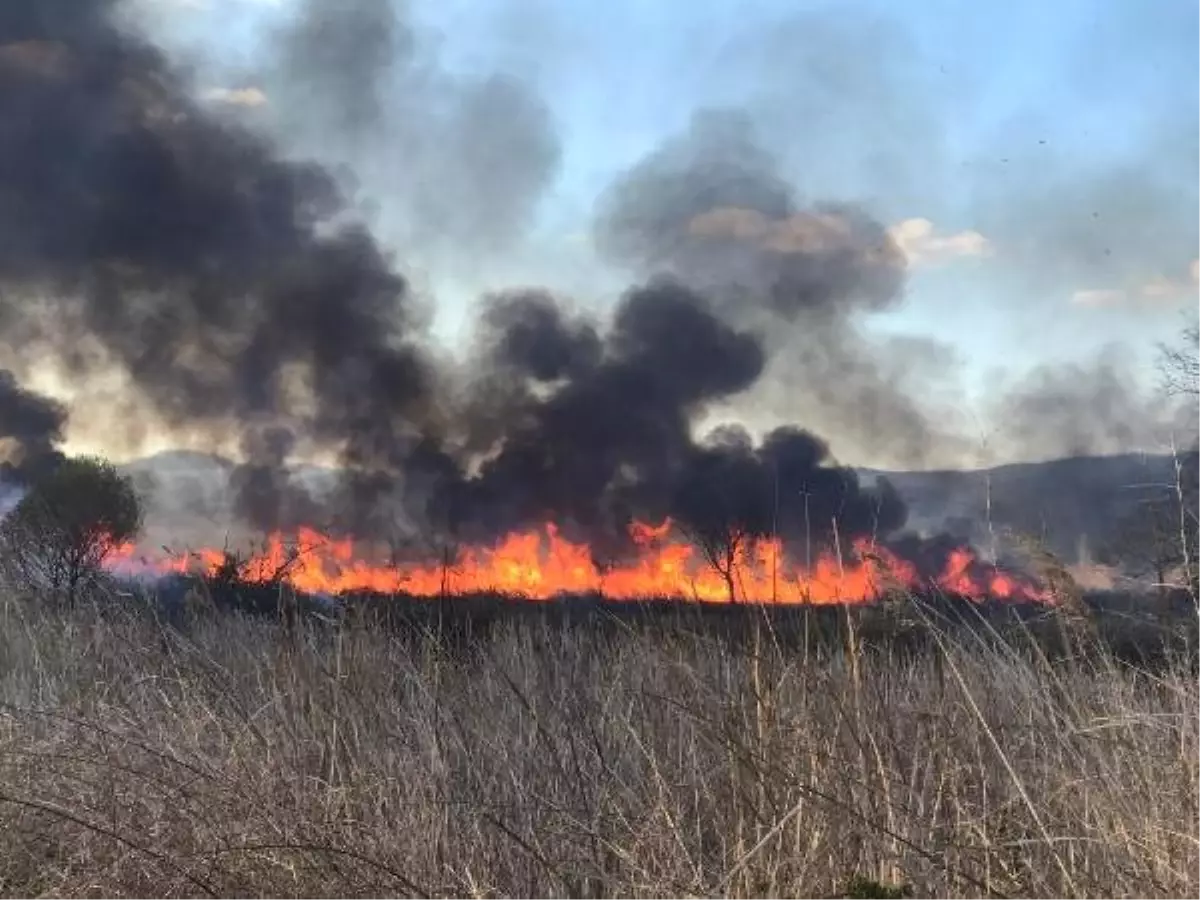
column 592, row 754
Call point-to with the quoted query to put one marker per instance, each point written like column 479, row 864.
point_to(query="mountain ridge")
column 1071, row 504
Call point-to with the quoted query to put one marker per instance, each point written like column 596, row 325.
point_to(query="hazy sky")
column 1036, row 160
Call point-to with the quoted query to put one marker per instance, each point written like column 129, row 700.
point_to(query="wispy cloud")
column 1160, row 289
column 243, row 96
column 924, row 246
column 803, row 232
column 207, row 7
column 824, row 231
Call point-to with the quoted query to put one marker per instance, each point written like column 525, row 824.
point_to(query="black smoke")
column 787, row 487
column 583, row 426
column 528, row 333
column 265, row 496
column 713, row 208
column 230, row 284
column 31, row 426
column 454, row 164
column 241, row 296
column 598, row 431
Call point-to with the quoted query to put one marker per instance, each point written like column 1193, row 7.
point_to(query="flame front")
column 542, row 565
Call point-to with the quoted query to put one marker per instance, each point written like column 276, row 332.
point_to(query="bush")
column 68, row 523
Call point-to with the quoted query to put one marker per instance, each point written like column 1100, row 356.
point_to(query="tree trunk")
column 730, row 553
column 74, row 576
column 727, row 574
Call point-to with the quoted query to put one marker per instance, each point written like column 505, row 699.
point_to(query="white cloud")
column 827, row 231
column 244, row 96
column 209, row 4
column 1160, row 289
column 922, row 245
column 800, row 233
column 1098, row 297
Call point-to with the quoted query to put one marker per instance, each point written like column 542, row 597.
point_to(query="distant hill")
column 1066, row 502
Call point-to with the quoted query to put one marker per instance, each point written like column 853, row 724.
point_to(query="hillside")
column 1066, row 503
column 1063, row 502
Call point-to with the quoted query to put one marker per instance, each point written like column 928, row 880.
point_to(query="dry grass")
column 138, row 760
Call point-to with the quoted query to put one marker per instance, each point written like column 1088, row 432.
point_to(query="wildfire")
column 542, row 565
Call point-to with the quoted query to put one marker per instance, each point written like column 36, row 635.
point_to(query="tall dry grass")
column 136, row 759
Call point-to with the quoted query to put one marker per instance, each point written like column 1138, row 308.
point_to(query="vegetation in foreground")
column 229, row 743
column 238, row 755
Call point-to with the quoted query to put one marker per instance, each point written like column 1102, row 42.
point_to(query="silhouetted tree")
column 68, row 523
column 1146, row 541
column 722, row 502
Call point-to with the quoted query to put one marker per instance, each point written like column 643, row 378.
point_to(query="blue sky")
column 1063, row 135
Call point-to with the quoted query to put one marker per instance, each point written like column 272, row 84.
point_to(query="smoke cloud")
column 608, row 436
column 712, row 208
column 237, row 289
column 30, row 428
column 238, row 292
column 1094, row 406
column 227, row 282
column 462, row 161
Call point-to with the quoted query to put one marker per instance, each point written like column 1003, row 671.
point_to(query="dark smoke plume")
column 527, row 333
column 239, row 294
column 264, row 493
column 785, row 487
column 598, row 448
column 30, row 428
column 712, row 208
column 462, row 161
column 226, row 281
column 610, row 440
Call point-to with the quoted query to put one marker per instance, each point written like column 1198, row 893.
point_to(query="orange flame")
column 541, row 565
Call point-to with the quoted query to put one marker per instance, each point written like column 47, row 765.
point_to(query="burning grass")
column 541, row 564
column 582, row 749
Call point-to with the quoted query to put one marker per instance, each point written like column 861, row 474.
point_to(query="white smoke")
column 10, row 496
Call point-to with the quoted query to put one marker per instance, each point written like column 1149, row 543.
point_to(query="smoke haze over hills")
column 217, row 256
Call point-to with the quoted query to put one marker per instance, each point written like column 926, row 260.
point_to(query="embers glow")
column 542, row 565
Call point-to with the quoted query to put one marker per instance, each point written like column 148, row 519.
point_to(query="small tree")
column 1146, row 541
column 1180, row 363
column 721, row 543
column 68, row 523
column 722, row 503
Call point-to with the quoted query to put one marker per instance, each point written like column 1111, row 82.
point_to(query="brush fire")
column 244, row 302
column 542, row 565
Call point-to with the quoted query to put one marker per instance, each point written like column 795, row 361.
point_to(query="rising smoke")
column 190, row 255
column 238, row 293
column 462, row 161
column 713, row 208
column 1089, row 407
column 238, row 290
column 30, row 427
